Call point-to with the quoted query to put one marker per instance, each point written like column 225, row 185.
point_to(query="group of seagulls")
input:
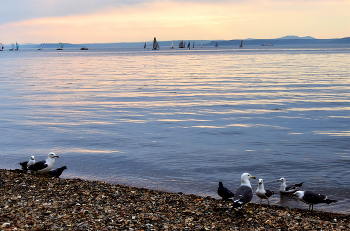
column 244, row 193
column 44, row 166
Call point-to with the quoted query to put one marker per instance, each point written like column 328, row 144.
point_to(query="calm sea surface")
column 183, row 120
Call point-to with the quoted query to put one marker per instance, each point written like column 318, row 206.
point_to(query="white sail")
column 12, row 47
column 60, row 46
column 172, row 45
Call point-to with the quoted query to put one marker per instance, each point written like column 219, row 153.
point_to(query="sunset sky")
column 104, row 21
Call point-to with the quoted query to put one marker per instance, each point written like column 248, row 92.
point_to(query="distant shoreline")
column 205, row 43
column 29, row 202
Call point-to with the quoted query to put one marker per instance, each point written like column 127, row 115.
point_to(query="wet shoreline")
column 30, row 203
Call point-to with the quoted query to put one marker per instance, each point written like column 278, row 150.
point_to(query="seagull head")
column 299, row 194
column 282, row 179
column 32, row 158
column 261, row 181
column 52, row 155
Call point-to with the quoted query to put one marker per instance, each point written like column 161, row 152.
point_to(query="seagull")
column 224, row 193
column 26, row 164
column 57, row 172
column 312, row 198
column 244, row 193
column 284, row 188
column 263, row 193
column 44, row 166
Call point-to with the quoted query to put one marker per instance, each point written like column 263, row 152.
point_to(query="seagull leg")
column 44, row 178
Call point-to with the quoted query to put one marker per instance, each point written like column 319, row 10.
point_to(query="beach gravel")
column 30, row 203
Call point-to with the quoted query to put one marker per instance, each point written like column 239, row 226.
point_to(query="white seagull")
column 312, row 198
column 284, row 188
column 262, row 192
column 26, row 164
column 44, row 166
column 244, row 193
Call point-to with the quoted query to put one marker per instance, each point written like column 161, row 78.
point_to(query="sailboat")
column 216, row 45
column 41, row 47
column 193, row 45
column 201, row 45
column 60, row 46
column 17, row 46
column 182, row 44
column 12, row 47
column 241, row 44
column 189, row 45
column 1, row 47
column 172, row 45
column 155, row 44
column 144, row 46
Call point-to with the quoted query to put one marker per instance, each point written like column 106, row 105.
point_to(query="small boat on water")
column 1, row 47
column 41, row 47
column 172, row 45
column 17, row 46
column 144, row 46
column 267, row 44
column 216, row 44
column 189, row 45
column 182, row 44
column 241, row 45
column 60, row 46
column 193, row 45
column 84, row 48
column 155, row 44
column 201, row 45
column 12, row 47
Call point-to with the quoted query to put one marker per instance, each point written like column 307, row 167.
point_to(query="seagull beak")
column 56, row 156
column 253, row 177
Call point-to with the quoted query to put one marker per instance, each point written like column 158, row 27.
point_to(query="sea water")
column 182, row 120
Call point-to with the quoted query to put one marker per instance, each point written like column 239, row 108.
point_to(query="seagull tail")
column 299, row 185
column 236, row 205
column 328, row 201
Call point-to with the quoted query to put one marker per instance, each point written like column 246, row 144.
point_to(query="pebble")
column 75, row 204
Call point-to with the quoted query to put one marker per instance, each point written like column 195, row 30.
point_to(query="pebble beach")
column 28, row 202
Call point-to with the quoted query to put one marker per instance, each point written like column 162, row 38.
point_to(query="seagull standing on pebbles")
column 262, row 192
column 26, row 164
column 312, row 198
column 44, row 166
column 244, row 192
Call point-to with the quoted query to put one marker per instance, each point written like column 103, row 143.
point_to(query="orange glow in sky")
column 168, row 20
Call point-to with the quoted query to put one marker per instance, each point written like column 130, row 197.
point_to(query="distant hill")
column 296, row 37
column 282, row 41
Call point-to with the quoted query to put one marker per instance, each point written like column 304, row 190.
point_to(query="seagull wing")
column 244, row 194
column 38, row 166
column 269, row 193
